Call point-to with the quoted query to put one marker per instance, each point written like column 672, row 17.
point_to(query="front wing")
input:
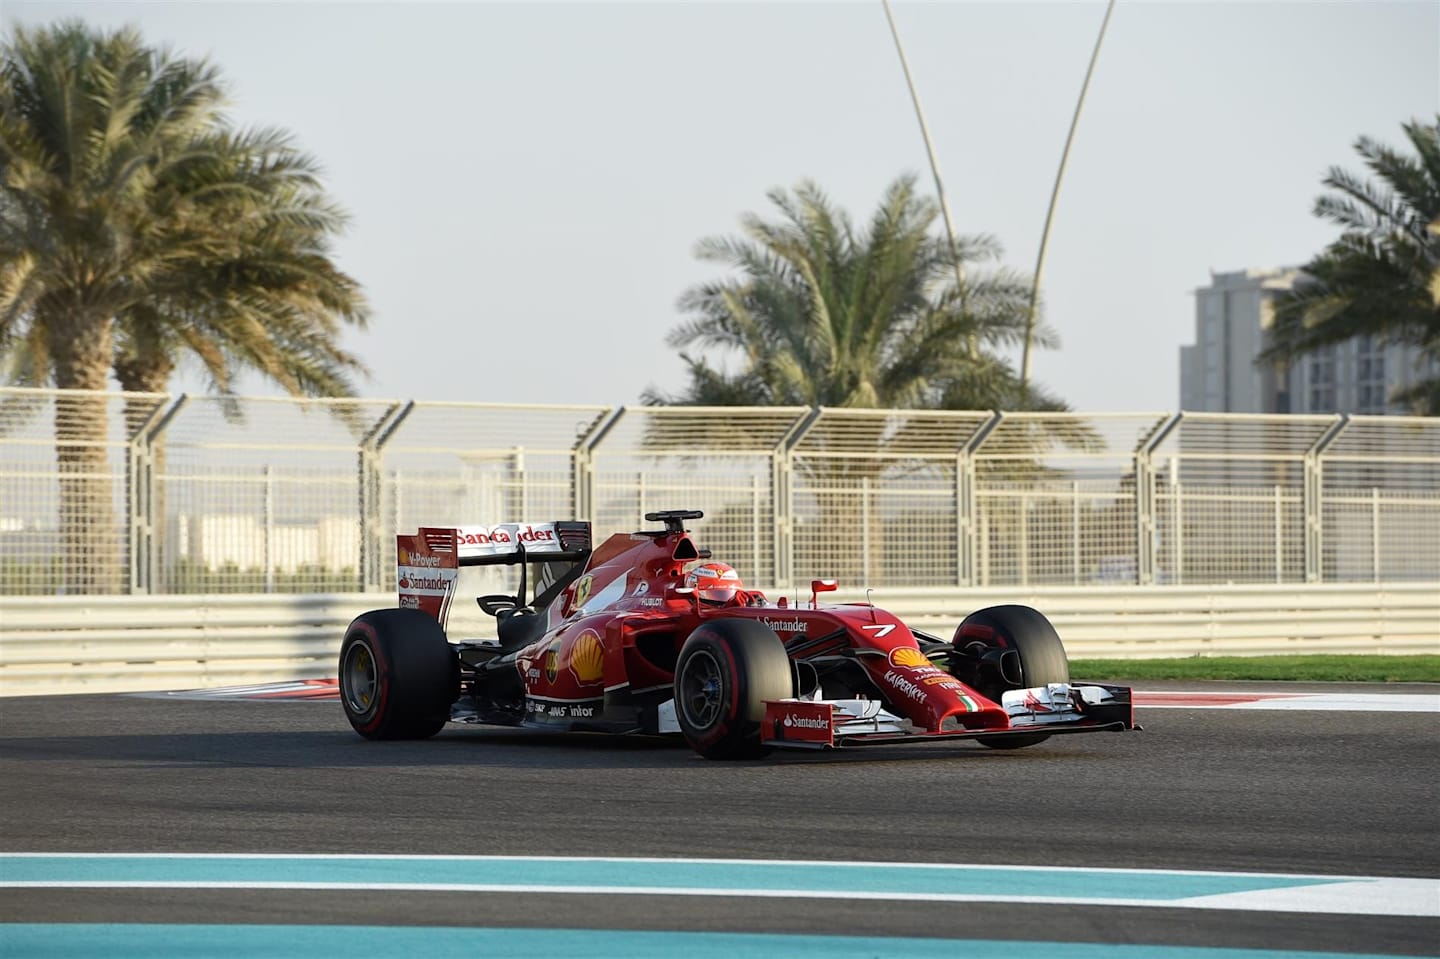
column 1055, row 709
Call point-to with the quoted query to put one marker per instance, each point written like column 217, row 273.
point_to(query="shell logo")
column 908, row 657
column 587, row 657
column 404, row 556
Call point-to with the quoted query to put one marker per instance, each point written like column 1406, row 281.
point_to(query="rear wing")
column 428, row 562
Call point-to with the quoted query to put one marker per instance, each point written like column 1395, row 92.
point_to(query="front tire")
column 727, row 669
column 1041, row 654
column 398, row 675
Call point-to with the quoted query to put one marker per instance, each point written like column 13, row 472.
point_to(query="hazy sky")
column 527, row 180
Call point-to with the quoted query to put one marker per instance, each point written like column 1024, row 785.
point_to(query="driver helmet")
column 714, row 582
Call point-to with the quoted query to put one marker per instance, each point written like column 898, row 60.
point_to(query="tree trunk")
column 90, row 539
column 150, row 374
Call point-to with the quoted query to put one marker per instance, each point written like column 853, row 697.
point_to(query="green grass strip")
column 1308, row 669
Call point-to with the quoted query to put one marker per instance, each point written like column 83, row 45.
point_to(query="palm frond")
column 825, row 314
column 1381, row 276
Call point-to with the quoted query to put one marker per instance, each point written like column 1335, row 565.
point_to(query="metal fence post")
column 1075, row 531
column 1145, row 526
column 140, row 495
column 137, row 471
column 964, row 518
column 582, row 463
column 782, row 524
column 153, row 543
column 1024, row 534
column 1144, row 519
column 1314, row 499
column 866, row 556
column 967, row 534
column 516, row 468
column 1279, row 534
column 1375, row 532
column 374, row 552
column 756, row 508
column 268, row 527
column 1177, row 535
column 782, row 479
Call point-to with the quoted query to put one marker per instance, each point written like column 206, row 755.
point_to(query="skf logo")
column 908, row 657
column 552, row 661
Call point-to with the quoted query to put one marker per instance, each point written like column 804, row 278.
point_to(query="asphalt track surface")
column 1327, row 793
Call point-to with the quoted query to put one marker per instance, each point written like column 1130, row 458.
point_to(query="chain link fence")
column 131, row 493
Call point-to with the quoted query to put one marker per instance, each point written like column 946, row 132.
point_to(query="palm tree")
column 268, row 298
column 137, row 228
column 1382, row 276
column 824, row 314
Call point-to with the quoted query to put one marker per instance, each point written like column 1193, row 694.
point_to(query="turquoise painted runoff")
column 1074, row 884
column 124, row 940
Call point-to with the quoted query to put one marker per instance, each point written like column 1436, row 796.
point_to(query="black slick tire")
column 1042, row 655
column 398, row 675
column 726, row 671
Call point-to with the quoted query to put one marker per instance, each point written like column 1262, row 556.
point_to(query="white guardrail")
column 53, row 645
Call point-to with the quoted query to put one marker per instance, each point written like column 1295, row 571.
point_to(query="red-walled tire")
column 398, row 675
column 727, row 669
column 1042, row 655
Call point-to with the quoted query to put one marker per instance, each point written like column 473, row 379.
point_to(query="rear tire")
column 1042, row 655
column 398, row 675
column 727, row 669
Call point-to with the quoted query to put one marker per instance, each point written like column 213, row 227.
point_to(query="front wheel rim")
column 359, row 678
column 702, row 689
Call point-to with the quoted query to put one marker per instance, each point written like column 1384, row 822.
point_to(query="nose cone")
column 929, row 696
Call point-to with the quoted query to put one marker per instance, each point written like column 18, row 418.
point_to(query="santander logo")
column 805, row 722
column 500, row 536
column 485, row 538
column 424, row 582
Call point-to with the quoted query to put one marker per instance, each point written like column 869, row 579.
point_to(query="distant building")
column 1232, row 318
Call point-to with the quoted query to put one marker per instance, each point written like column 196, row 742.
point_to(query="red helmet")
column 714, row 582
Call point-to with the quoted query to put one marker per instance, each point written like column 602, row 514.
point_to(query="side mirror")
column 818, row 586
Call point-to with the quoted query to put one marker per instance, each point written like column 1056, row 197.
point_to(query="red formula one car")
column 644, row 635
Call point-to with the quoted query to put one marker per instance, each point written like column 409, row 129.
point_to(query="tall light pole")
column 974, row 346
column 1050, row 213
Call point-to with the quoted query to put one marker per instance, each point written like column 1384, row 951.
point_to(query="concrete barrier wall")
column 51, row 645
